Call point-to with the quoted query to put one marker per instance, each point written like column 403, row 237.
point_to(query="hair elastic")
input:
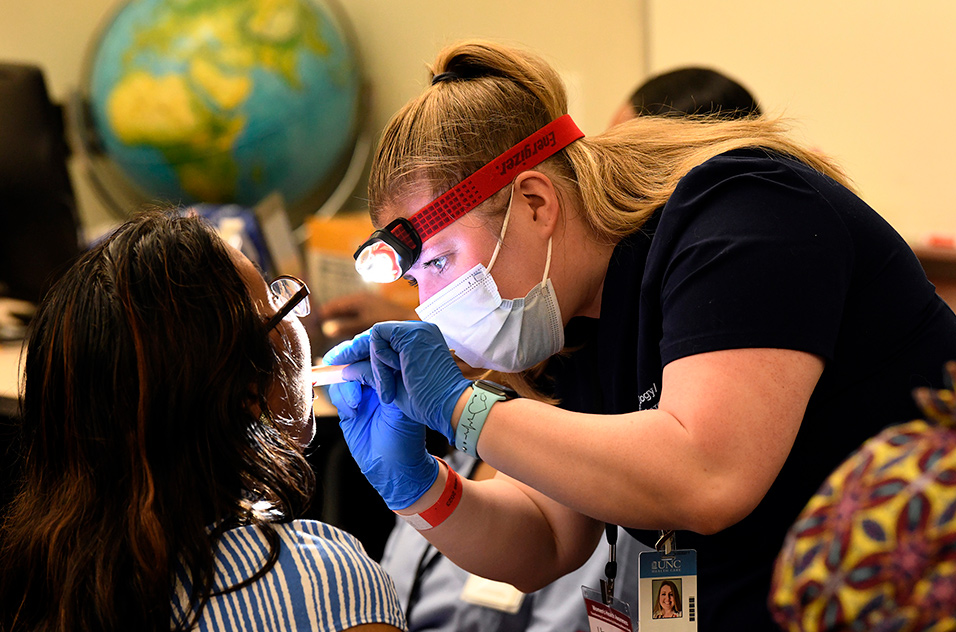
column 448, row 75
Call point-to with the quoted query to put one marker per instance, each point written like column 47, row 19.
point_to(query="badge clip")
column 666, row 542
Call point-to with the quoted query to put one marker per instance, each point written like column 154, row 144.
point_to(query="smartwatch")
column 484, row 395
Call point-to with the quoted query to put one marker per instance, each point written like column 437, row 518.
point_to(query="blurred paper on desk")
column 331, row 267
column 14, row 317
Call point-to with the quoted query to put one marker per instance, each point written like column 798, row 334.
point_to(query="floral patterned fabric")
column 875, row 548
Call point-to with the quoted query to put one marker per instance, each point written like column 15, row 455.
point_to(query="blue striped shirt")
column 322, row 581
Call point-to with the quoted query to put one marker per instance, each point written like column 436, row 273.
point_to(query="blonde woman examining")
column 736, row 321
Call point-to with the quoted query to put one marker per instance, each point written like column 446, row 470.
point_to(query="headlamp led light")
column 389, row 253
column 385, row 257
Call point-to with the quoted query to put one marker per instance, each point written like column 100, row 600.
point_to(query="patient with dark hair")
column 164, row 413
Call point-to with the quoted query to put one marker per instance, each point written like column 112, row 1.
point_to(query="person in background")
column 689, row 91
column 875, row 548
column 166, row 405
column 740, row 302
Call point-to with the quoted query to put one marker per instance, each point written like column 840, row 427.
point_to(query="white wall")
column 871, row 82
column 598, row 46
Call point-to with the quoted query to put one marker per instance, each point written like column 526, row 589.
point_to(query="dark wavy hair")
column 145, row 433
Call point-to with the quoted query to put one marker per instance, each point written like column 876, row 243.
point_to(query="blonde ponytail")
column 488, row 97
column 626, row 173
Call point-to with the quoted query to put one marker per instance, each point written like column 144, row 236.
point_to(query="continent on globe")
column 225, row 101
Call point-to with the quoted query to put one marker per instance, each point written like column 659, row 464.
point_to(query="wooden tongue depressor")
column 328, row 374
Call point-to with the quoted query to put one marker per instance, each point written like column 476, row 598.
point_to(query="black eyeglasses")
column 295, row 293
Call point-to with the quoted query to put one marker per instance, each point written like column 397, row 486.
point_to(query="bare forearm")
column 615, row 468
column 505, row 531
column 700, row 461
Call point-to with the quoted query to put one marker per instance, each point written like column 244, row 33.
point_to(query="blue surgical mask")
column 489, row 332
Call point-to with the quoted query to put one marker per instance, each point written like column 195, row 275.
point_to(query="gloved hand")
column 410, row 365
column 388, row 446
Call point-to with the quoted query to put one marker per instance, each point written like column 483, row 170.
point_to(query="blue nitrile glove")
column 388, row 447
column 410, row 366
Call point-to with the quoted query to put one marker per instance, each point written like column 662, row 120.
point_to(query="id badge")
column 667, row 590
column 602, row 617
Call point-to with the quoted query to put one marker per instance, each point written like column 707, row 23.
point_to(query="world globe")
column 225, row 101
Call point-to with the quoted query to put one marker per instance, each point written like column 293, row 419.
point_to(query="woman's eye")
column 438, row 263
column 411, row 281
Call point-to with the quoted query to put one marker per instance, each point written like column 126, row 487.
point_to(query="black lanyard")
column 610, row 569
column 424, row 564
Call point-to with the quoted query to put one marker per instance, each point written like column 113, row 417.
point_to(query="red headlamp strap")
column 485, row 182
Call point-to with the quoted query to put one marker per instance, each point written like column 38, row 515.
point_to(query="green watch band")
column 484, row 395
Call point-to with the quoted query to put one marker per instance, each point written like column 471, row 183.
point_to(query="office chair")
column 38, row 218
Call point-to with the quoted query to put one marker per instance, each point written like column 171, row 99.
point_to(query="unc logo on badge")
column 665, row 565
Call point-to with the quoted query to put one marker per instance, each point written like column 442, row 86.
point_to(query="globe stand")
column 111, row 187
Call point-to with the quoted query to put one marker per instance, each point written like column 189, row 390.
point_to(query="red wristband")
column 443, row 507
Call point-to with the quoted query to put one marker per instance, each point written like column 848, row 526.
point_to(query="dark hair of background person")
column 141, row 437
column 695, row 91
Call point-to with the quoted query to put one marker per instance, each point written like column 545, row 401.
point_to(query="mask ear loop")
column 504, row 227
column 501, row 239
column 547, row 263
